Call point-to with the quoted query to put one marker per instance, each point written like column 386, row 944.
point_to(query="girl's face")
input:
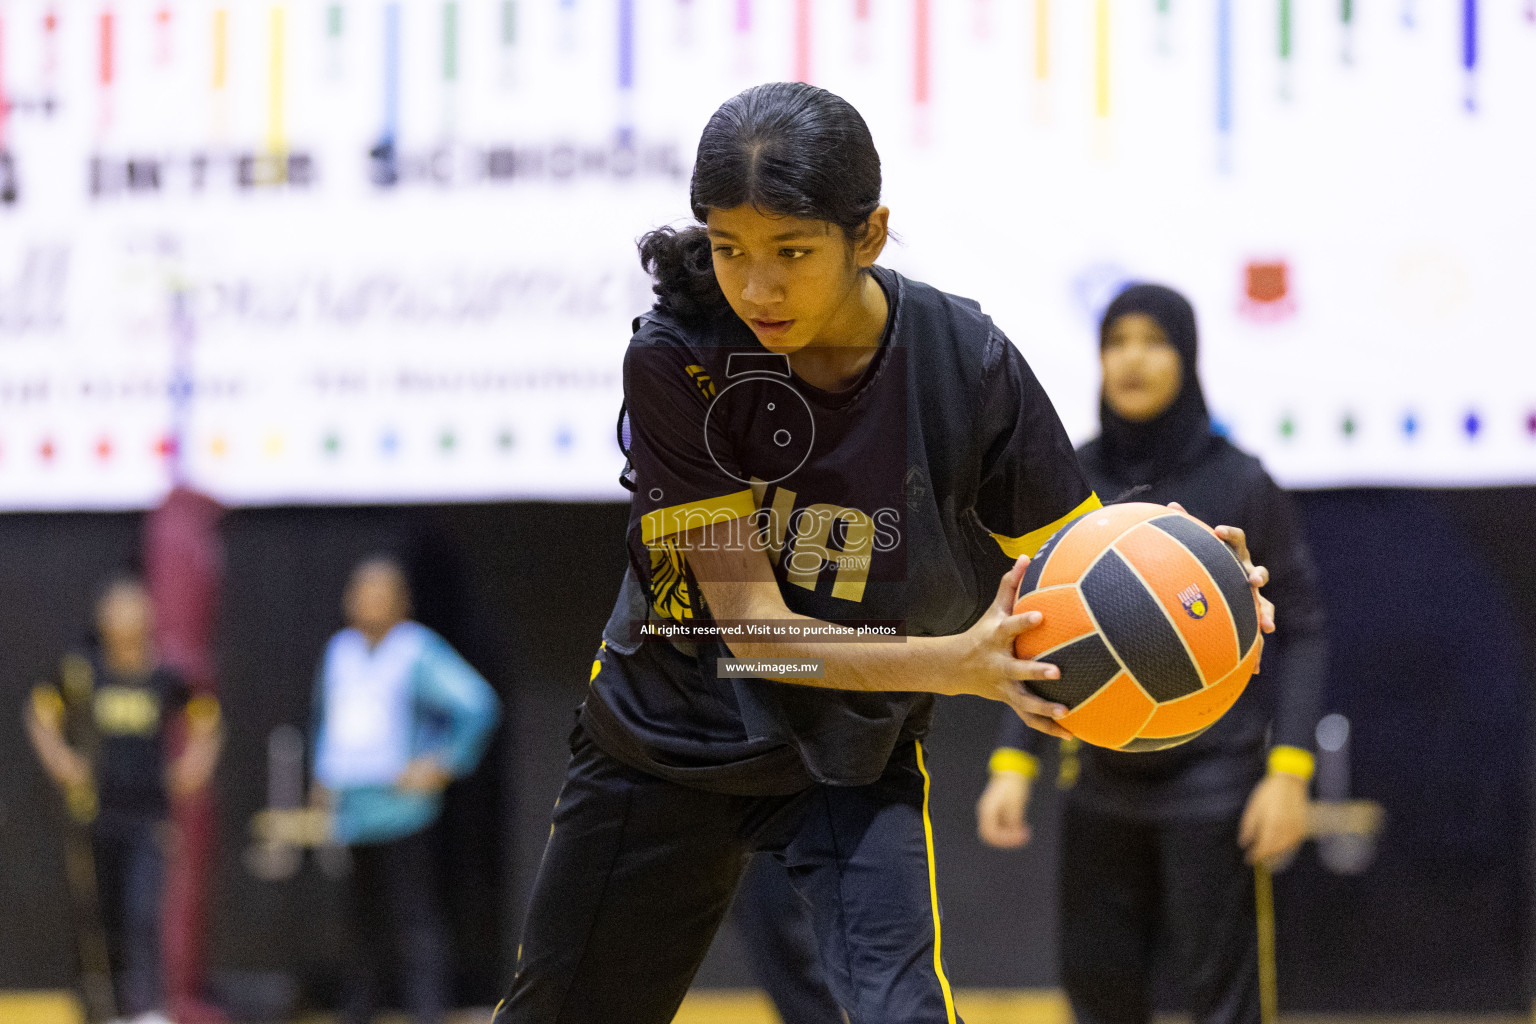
column 789, row 279
column 376, row 598
column 1142, row 371
column 124, row 615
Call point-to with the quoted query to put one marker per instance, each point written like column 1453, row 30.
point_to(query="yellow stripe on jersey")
column 1292, row 761
column 203, row 711
column 1033, row 541
column 664, row 522
column 1012, row 760
column 126, row 711
column 933, row 895
column 47, row 704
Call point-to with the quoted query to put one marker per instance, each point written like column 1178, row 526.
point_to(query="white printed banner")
column 384, row 250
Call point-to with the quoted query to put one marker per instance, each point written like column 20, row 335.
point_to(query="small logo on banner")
column 1193, row 601
column 1267, row 293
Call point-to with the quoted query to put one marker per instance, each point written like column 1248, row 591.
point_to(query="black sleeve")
column 1030, row 479
column 1296, row 658
column 680, row 477
column 1013, row 734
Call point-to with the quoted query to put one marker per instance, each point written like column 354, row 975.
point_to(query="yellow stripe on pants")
column 933, row 895
column 1264, row 903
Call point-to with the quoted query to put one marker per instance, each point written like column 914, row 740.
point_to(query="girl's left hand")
column 1258, row 576
column 1274, row 821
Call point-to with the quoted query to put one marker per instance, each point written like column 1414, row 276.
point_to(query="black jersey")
column 121, row 721
column 874, row 504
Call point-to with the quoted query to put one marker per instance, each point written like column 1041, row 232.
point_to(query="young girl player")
column 814, row 440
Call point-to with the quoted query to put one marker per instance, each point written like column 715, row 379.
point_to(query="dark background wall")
column 1432, row 601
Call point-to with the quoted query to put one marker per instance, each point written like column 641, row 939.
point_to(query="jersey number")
column 823, row 535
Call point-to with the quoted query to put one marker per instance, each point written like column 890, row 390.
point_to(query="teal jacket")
column 451, row 712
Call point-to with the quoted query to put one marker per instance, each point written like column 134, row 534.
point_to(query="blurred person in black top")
column 103, row 736
column 814, row 440
column 1156, row 846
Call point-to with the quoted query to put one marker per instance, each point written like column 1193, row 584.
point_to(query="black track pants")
column 396, row 918
column 1127, row 885
column 775, row 925
column 639, row 873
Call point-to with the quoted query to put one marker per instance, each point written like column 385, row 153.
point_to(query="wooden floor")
column 976, row 1006
column 979, row 1006
column 1026, row 1006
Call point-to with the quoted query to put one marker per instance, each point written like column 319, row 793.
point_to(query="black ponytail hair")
column 788, row 149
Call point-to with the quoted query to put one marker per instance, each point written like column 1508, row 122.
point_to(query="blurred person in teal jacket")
column 398, row 715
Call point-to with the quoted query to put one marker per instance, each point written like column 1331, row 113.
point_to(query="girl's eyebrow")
column 788, row 236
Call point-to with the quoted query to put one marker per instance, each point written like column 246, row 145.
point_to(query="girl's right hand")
column 1002, row 813
column 988, row 666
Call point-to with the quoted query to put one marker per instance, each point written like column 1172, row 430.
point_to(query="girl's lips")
column 771, row 327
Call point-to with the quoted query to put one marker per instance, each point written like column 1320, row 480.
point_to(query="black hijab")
column 1139, row 454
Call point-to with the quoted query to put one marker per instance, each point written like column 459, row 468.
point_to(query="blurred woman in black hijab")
column 1156, row 847
column 1152, row 413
